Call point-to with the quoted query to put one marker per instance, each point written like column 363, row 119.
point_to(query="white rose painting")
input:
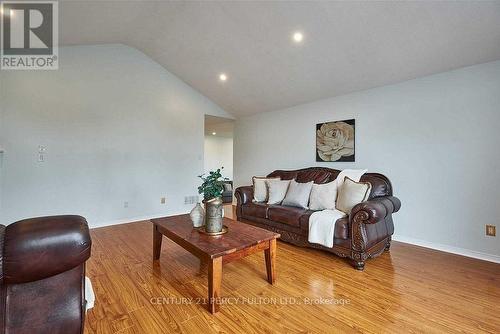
column 335, row 141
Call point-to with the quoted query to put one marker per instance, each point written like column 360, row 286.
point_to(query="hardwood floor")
column 409, row 290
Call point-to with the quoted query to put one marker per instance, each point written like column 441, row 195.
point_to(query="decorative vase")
column 213, row 216
column 197, row 215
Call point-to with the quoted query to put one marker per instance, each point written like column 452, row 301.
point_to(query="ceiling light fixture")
column 298, row 37
column 214, row 133
column 222, row 77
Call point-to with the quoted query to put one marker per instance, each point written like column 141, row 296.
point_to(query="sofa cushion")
column 352, row 193
column 323, row 196
column 254, row 209
column 260, row 188
column 285, row 215
column 276, row 190
column 298, row 194
column 342, row 228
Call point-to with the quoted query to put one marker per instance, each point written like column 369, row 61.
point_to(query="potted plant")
column 212, row 189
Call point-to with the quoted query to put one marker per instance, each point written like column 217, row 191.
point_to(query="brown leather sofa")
column 364, row 234
column 42, row 267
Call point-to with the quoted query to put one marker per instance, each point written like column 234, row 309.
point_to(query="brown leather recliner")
column 42, row 282
column 364, row 234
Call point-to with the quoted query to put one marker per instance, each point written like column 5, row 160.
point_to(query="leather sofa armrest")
column 376, row 209
column 244, row 195
column 42, row 247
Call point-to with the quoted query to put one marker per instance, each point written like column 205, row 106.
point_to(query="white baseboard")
column 448, row 249
column 93, row 225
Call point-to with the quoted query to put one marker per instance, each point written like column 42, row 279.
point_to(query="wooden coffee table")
column 240, row 240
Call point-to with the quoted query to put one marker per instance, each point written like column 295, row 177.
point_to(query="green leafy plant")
column 213, row 184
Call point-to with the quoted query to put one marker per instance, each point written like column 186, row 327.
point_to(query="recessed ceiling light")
column 298, row 37
column 222, row 77
column 214, row 133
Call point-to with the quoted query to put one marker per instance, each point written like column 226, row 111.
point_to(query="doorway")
column 218, row 152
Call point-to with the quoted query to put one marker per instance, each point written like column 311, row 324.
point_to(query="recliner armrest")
column 244, row 195
column 42, row 247
column 376, row 209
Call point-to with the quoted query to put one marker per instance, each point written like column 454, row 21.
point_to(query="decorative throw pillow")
column 228, row 187
column 352, row 193
column 260, row 188
column 323, row 196
column 276, row 190
column 298, row 194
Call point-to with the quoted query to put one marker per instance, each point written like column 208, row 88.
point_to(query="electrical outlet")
column 163, row 200
column 125, row 204
column 491, row 230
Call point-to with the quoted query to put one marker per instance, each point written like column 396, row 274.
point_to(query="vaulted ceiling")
column 347, row 46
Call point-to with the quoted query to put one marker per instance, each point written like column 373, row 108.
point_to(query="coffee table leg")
column 214, row 283
column 270, row 255
column 157, row 238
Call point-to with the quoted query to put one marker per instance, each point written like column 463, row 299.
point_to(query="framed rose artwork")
column 335, row 141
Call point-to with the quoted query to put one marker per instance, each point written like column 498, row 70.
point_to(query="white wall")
column 117, row 127
column 437, row 138
column 219, row 152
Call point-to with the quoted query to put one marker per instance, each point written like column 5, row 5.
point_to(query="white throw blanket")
column 89, row 294
column 322, row 226
column 322, row 223
column 353, row 174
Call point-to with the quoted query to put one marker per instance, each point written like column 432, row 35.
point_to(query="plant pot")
column 213, row 215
